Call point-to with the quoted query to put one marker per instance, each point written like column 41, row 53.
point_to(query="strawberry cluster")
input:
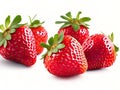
column 71, row 51
column 21, row 42
column 78, row 51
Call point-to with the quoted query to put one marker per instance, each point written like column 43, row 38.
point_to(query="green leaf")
column 61, row 37
column 76, row 27
column 55, row 50
column 78, row 15
column 12, row 30
column 51, row 41
column 5, row 43
column 85, row 19
column 55, row 37
column 16, row 20
column 116, row 48
column 8, row 37
column 1, row 35
column 7, row 21
column 60, row 46
column 2, row 42
column 69, row 15
column 2, row 27
column 45, row 46
column 35, row 23
column 64, row 17
column 112, row 36
column 59, row 22
column 16, row 26
column 65, row 25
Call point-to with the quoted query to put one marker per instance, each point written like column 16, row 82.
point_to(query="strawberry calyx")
column 35, row 22
column 54, row 44
column 74, row 22
column 111, row 37
column 8, row 29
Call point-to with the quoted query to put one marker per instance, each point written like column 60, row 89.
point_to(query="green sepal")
column 1, row 35
column 61, row 37
column 65, row 25
column 8, row 36
column 78, row 15
column 69, row 15
column 59, row 22
column 74, row 22
column 12, row 30
column 45, row 45
column 76, row 27
column 55, row 50
column 111, row 37
column 35, row 23
column 55, row 37
column 16, row 26
column 2, row 27
column 16, row 21
column 51, row 41
column 8, row 29
column 60, row 46
column 54, row 44
column 85, row 19
column 64, row 17
column 116, row 48
column 7, row 21
column 3, row 42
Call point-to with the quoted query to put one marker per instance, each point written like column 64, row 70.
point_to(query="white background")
column 105, row 15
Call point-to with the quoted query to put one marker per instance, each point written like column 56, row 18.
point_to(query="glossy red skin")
column 68, row 61
column 21, row 48
column 99, row 51
column 40, row 35
column 80, row 35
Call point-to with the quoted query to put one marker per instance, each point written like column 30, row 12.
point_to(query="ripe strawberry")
column 17, row 42
column 65, row 56
column 75, row 27
column 39, row 32
column 100, row 51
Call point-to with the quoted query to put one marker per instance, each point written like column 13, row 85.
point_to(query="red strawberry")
column 39, row 32
column 17, row 42
column 65, row 56
column 75, row 27
column 100, row 51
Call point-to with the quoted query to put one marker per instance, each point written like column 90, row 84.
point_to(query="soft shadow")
column 98, row 70
column 11, row 64
column 68, row 78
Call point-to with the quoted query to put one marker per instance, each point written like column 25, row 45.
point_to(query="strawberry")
column 76, row 27
column 39, row 32
column 65, row 56
column 17, row 42
column 100, row 51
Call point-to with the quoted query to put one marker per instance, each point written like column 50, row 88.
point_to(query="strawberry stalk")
column 35, row 22
column 74, row 22
column 8, row 29
column 54, row 44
